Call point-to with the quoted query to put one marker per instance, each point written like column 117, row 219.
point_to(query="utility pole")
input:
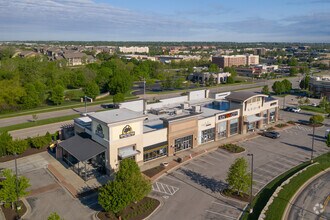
column 251, row 194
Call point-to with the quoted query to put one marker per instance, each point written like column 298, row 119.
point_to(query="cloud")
column 91, row 20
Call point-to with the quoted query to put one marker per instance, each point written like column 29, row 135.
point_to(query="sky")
column 167, row 20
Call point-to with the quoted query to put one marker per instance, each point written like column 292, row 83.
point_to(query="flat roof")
column 243, row 95
column 116, row 115
column 82, row 147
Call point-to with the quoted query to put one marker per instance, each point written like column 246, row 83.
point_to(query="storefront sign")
column 228, row 115
column 127, row 132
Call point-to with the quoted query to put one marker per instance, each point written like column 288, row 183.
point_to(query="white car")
column 296, row 109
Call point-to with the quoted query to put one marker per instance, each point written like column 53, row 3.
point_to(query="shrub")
column 291, row 122
column 316, row 119
column 17, row 146
column 40, row 141
column 232, row 148
column 282, row 125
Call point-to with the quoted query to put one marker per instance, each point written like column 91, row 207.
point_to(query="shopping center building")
column 145, row 132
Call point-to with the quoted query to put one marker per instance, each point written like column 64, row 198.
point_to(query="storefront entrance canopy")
column 126, row 152
column 253, row 118
column 82, row 148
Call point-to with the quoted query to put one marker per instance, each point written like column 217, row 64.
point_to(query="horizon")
column 237, row 21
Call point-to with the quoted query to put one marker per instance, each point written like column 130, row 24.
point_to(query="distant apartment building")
column 259, row 51
column 320, row 86
column 235, row 60
column 134, row 49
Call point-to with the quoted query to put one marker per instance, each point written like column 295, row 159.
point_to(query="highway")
column 309, row 203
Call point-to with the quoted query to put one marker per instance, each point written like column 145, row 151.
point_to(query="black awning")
column 82, row 148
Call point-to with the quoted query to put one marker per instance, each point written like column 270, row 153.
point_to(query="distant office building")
column 235, row 60
column 320, row 86
column 204, row 77
column 134, row 49
column 260, row 51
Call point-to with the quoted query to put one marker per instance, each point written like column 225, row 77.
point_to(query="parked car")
column 271, row 134
column 314, row 104
column 296, row 109
column 288, row 109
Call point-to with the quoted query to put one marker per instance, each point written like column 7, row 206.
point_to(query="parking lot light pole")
column 312, row 153
column 16, row 181
column 251, row 195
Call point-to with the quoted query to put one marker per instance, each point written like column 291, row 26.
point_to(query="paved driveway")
column 193, row 190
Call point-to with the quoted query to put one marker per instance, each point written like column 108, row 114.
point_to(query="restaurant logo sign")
column 228, row 115
column 127, row 132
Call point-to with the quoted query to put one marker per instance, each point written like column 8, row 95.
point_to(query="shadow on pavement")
column 210, row 183
column 298, row 146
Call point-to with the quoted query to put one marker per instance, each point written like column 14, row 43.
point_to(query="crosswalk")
column 164, row 188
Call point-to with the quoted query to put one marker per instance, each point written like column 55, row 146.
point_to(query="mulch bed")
column 232, row 148
column 28, row 152
column 245, row 197
column 128, row 213
column 10, row 213
column 153, row 171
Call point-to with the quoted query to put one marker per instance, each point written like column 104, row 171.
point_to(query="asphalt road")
column 54, row 114
column 308, row 204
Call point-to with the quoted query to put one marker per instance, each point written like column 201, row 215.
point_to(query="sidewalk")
column 192, row 153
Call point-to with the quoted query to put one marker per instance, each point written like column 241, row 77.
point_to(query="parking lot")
column 199, row 182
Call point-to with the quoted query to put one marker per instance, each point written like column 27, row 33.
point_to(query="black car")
column 288, row 109
column 271, row 134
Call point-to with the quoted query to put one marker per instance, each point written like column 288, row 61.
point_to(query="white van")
column 326, row 133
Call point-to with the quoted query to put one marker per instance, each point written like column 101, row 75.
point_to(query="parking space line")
column 163, row 188
column 169, row 189
column 217, row 213
column 274, row 167
column 172, row 178
column 258, row 181
column 267, row 171
column 221, row 154
column 284, row 164
column 193, row 163
column 208, row 155
column 229, row 206
column 206, row 162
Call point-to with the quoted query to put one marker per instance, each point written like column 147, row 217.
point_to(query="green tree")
column 5, row 142
column 54, row 216
column 238, row 177
column 293, row 62
column 92, row 90
column 119, row 97
column 293, row 71
column 265, row 90
column 178, row 83
column 324, row 102
column 8, row 189
column 278, row 87
column 167, row 83
column 304, row 83
column 316, row 119
column 57, row 95
column 213, row 68
column 328, row 140
column 287, row 85
column 230, row 79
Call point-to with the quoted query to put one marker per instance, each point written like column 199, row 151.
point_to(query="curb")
column 161, row 203
column 28, row 208
column 232, row 199
column 290, row 203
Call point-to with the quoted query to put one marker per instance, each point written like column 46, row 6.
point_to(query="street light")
column 251, row 195
column 313, row 143
column 16, row 181
column 85, row 98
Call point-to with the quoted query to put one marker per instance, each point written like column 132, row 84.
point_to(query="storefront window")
column 265, row 118
column 272, row 115
column 233, row 126
column 183, row 143
column 208, row 135
column 150, row 153
column 222, row 129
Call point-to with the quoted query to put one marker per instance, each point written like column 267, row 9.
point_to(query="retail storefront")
column 183, row 143
column 233, row 126
column 208, row 135
column 227, row 124
column 272, row 115
column 253, row 122
column 154, row 151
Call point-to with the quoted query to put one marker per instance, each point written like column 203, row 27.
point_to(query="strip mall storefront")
column 227, row 124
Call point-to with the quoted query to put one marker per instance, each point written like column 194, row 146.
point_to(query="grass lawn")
column 277, row 208
column 38, row 123
column 65, row 105
column 312, row 109
column 264, row 195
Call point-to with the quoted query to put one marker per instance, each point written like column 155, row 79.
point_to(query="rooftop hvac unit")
column 178, row 111
column 196, row 108
column 185, row 105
